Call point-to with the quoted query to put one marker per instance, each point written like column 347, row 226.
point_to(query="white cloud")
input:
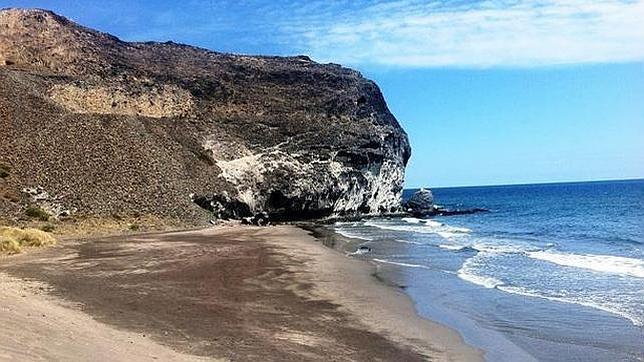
column 413, row 33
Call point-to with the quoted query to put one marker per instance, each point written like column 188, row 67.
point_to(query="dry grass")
column 117, row 224
column 12, row 240
column 9, row 245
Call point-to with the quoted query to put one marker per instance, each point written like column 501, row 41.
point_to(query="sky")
column 489, row 92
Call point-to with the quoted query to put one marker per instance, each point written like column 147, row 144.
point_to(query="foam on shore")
column 599, row 263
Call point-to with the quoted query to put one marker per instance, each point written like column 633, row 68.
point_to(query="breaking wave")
column 467, row 273
column 599, row 263
column 422, row 226
column 349, row 235
column 408, row 265
column 583, row 301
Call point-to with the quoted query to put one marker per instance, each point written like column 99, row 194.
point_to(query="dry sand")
column 237, row 293
column 37, row 327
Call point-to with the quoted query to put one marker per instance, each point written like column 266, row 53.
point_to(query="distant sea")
column 553, row 272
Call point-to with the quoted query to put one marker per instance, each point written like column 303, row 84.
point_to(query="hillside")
column 106, row 127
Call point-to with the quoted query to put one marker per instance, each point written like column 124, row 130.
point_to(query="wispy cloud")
column 400, row 33
column 413, row 33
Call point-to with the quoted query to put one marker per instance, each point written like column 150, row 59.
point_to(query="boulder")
column 260, row 219
column 421, row 203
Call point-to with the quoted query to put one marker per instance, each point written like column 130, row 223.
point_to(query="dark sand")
column 238, row 293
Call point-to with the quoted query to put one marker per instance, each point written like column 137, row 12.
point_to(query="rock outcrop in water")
column 421, row 203
column 106, row 126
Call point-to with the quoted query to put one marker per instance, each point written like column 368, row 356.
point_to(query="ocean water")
column 554, row 272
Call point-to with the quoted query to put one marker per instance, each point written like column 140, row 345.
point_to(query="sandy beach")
column 231, row 293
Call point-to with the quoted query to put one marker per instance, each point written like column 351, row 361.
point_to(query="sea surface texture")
column 553, row 272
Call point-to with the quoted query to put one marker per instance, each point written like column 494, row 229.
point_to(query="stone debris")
column 50, row 204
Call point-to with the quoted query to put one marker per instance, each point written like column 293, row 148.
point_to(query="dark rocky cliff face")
column 106, row 126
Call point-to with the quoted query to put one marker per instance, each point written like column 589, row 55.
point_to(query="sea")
column 553, row 272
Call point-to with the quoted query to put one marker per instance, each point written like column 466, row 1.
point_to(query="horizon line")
column 639, row 178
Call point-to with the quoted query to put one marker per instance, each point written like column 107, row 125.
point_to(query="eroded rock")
column 53, row 206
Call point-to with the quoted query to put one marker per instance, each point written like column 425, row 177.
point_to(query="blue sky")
column 490, row 92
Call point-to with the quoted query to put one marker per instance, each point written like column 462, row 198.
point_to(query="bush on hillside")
column 37, row 212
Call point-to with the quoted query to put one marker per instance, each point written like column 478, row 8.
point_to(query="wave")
column 408, row 242
column 400, row 264
column 600, row 263
column 606, row 307
column 487, row 282
column 360, row 251
column 428, row 222
column 501, row 248
column 349, row 235
column 452, row 247
column 488, row 248
column 466, row 273
column 423, row 226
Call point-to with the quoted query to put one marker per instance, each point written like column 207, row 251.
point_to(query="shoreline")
column 379, row 303
column 231, row 292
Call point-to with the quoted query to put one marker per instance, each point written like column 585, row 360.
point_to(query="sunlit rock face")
column 110, row 126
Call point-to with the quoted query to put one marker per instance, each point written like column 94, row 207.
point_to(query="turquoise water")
column 553, row 272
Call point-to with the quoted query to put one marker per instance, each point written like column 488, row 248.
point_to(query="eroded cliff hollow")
column 106, row 126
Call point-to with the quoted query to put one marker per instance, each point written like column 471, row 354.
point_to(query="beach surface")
column 230, row 292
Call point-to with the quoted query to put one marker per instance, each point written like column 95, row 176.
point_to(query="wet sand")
column 237, row 293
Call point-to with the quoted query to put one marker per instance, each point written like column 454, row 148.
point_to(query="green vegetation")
column 47, row 228
column 36, row 212
column 12, row 240
column 133, row 227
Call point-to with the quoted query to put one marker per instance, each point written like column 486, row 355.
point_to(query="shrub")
column 35, row 237
column 47, row 228
column 133, row 227
column 13, row 239
column 9, row 245
column 37, row 212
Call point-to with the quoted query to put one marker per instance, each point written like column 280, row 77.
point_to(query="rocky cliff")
column 107, row 127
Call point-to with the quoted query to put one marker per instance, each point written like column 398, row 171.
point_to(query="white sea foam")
column 497, row 248
column 400, row 264
column 346, row 223
column 350, row 235
column 470, row 271
column 600, row 263
column 423, row 226
column 448, row 234
column 452, row 247
column 606, row 307
column 487, row 282
column 360, row 252
column 467, row 273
